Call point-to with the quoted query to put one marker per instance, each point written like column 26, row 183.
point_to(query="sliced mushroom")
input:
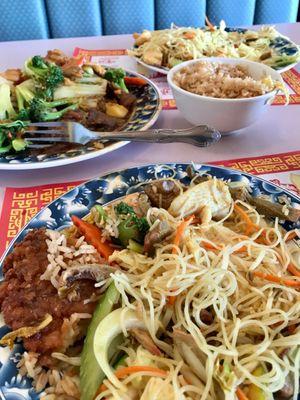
column 94, row 272
column 145, row 340
column 156, row 235
column 287, row 391
column 266, row 207
column 193, row 175
column 161, row 193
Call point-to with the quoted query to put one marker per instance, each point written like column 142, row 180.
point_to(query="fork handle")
column 201, row 135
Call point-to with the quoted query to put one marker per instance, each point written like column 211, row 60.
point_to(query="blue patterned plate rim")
column 104, row 189
column 170, row 167
column 134, row 123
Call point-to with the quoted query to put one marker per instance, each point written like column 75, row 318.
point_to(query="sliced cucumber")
column 91, row 374
column 108, row 329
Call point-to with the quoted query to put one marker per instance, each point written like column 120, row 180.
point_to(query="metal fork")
column 41, row 134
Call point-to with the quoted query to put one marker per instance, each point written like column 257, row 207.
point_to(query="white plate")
column 148, row 107
column 165, row 70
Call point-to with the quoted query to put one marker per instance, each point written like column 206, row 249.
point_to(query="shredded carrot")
column 189, row 35
column 134, row 81
column 122, row 372
column 241, row 250
column 240, row 394
column 292, row 235
column 277, row 279
column 250, row 226
column 171, row 300
column 93, row 236
column 209, row 24
column 293, row 269
column 180, row 231
column 209, row 246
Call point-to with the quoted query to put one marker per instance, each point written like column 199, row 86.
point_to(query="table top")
column 276, row 132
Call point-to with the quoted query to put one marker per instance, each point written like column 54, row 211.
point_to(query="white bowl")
column 225, row 115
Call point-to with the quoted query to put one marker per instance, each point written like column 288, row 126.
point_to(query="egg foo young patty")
column 222, row 81
column 25, row 299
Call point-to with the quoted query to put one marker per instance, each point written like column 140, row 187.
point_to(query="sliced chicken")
column 153, row 55
column 142, row 38
column 210, row 199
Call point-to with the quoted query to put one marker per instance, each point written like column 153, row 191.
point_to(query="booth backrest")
column 39, row 19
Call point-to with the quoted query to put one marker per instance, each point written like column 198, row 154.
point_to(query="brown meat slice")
column 156, row 235
column 26, row 299
column 75, row 115
column 126, row 99
column 98, row 119
column 145, row 340
column 56, row 56
column 71, row 69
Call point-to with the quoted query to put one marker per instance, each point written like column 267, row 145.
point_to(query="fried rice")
column 222, row 81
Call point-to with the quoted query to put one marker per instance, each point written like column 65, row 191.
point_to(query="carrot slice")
column 93, row 236
column 292, row 235
column 209, row 246
column 171, row 300
column 209, row 24
column 134, row 81
column 293, row 269
column 250, row 226
column 240, row 394
column 180, row 231
column 122, row 372
column 277, row 279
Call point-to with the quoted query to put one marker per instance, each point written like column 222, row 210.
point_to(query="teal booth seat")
column 231, row 11
column 73, row 18
column 275, row 11
column 180, row 12
column 127, row 16
column 23, row 19
column 40, row 19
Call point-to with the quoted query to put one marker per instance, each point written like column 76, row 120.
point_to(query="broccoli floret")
column 124, row 209
column 132, row 227
column 6, row 108
column 116, row 76
column 11, row 137
column 25, row 93
column 38, row 62
column 40, row 110
column 48, row 76
column 23, row 115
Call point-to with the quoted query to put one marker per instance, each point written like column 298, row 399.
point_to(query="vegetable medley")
column 169, row 47
column 58, row 87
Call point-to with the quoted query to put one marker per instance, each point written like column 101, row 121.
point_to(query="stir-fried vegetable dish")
column 57, row 87
column 169, row 47
column 176, row 292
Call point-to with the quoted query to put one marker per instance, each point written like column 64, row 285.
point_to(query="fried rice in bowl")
column 228, row 94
